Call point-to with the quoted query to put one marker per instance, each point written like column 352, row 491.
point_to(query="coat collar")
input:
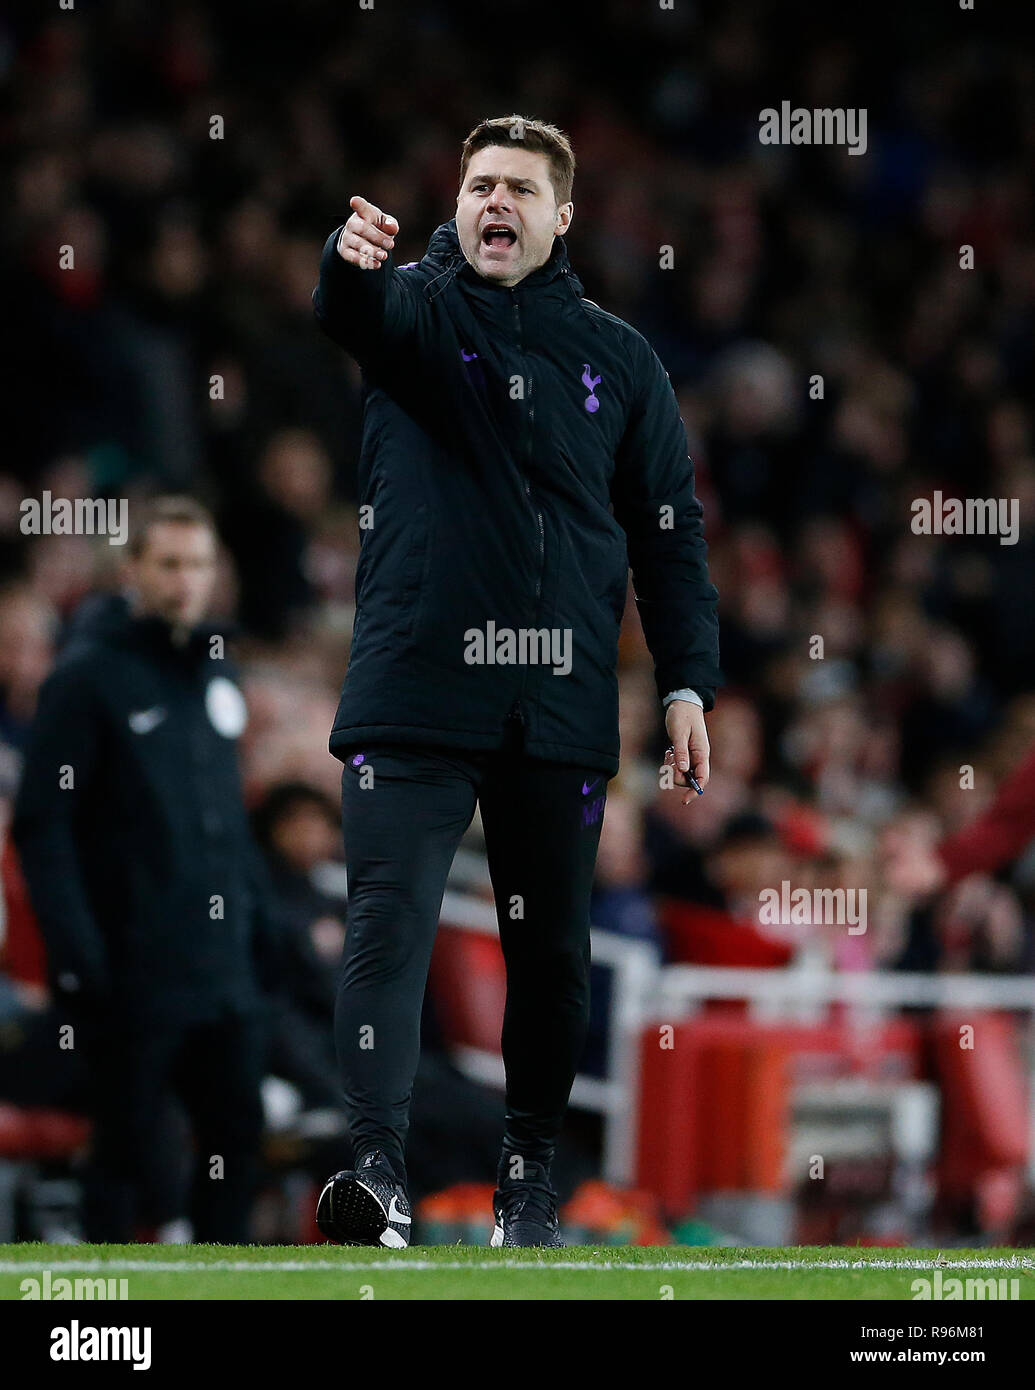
column 446, row 260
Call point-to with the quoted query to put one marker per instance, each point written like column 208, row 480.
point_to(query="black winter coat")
column 521, row 448
column 132, row 832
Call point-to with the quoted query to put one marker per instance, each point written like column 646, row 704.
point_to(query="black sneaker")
column 525, row 1208
column 365, row 1206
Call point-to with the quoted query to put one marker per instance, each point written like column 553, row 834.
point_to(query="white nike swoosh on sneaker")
column 394, row 1214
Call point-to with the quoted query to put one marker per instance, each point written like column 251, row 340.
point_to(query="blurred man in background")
column 142, row 871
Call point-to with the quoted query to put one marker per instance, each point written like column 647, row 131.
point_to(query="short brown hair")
column 181, row 511
column 536, row 136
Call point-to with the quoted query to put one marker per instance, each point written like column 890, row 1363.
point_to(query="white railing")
column 643, row 991
column 771, row 992
column 805, row 993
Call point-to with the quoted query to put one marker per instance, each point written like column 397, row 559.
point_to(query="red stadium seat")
column 469, row 984
column 38, row 1133
column 985, row 1127
column 23, row 956
column 715, row 1107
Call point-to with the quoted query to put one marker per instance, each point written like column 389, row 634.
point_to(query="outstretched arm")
column 360, row 301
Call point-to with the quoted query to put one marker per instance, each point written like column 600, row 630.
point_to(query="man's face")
column 174, row 575
column 508, row 188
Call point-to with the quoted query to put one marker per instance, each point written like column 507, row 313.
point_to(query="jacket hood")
column 445, row 259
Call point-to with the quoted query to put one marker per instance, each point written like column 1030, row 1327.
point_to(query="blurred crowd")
column 181, row 355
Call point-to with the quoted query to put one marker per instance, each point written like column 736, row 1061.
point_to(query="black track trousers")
column 542, row 827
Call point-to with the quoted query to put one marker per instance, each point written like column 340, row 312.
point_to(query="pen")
column 691, row 779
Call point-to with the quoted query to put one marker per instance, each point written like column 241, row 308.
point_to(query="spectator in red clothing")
column 750, row 857
column 998, row 836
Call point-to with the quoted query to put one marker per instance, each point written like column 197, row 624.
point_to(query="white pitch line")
column 581, row 1266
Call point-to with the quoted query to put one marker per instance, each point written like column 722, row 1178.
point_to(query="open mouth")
column 498, row 235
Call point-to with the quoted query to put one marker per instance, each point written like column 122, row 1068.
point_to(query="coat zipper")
column 517, row 712
column 528, row 455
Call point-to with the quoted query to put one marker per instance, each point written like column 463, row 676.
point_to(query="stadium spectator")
column 994, row 839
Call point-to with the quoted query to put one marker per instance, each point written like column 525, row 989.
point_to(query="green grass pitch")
column 470, row 1272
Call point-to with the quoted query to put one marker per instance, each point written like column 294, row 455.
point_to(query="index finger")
column 370, row 212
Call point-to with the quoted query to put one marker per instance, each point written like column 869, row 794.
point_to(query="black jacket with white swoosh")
column 131, row 827
column 521, row 448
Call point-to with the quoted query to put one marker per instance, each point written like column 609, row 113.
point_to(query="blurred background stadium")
column 196, row 258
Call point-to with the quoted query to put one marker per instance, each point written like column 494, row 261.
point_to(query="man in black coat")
column 149, row 890
column 522, row 448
